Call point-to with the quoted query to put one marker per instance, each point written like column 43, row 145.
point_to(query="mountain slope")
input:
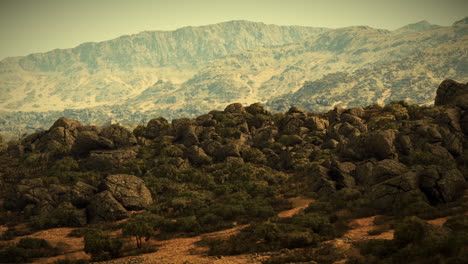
column 106, row 72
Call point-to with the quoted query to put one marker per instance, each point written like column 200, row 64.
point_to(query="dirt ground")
column 186, row 250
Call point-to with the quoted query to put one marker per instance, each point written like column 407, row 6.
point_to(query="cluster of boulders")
column 71, row 136
column 119, row 194
column 395, row 153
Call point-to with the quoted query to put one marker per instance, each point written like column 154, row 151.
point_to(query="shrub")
column 71, row 261
column 378, row 247
column 14, row 254
column 411, row 230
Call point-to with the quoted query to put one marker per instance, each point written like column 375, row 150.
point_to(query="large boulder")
column 315, row 123
column 185, row 132
column 235, row 108
column 81, row 194
column 104, row 207
column 90, row 140
column 381, row 143
column 396, row 192
column 197, row 155
column 451, row 92
column 291, row 124
column 157, row 127
column 354, row 121
column 387, row 169
column 60, row 137
column 67, row 123
column 342, row 174
column 364, row 172
column 320, row 182
column 441, row 185
column 120, row 136
column 229, row 150
column 129, row 190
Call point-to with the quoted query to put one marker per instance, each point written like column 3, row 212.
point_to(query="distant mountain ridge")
column 106, row 72
column 188, row 71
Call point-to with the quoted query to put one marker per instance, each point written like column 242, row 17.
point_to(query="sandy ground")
column 71, row 247
column 359, row 232
column 298, row 204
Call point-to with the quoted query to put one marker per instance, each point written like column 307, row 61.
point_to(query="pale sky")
column 29, row 26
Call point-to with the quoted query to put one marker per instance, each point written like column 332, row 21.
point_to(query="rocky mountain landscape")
column 76, row 193
column 192, row 70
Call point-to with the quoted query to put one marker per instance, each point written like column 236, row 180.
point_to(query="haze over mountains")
column 192, row 70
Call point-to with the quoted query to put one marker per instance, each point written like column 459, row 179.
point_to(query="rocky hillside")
column 190, row 71
column 238, row 166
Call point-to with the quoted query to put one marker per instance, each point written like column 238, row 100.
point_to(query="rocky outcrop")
column 394, row 156
column 129, row 190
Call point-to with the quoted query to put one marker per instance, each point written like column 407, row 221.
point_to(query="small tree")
column 138, row 229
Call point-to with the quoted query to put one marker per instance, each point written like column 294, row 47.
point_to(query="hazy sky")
column 28, row 26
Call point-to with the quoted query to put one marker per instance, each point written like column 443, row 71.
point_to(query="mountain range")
column 189, row 71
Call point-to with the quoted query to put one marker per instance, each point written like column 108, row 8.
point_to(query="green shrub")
column 33, row 243
column 253, row 155
column 427, row 158
column 410, row 230
column 63, row 215
column 378, row 247
column 457, row 223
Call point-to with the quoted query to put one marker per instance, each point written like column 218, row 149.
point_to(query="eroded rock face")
column 129, row 190
column 104, row 207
